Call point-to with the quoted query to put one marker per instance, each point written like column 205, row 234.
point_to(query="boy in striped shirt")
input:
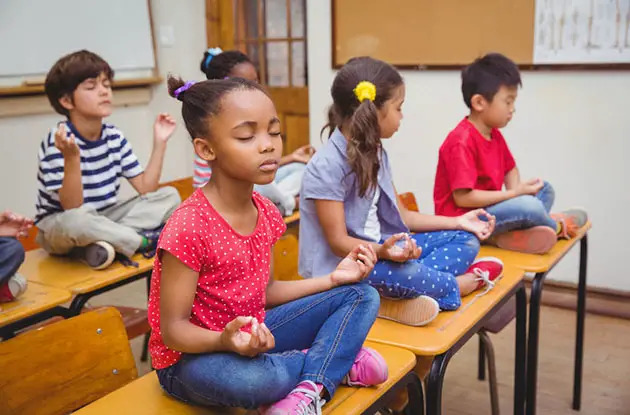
column 81, row 162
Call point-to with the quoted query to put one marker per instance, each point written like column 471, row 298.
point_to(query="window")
column 273, row 34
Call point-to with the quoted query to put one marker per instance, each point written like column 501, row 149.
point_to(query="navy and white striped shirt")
column 103, row 162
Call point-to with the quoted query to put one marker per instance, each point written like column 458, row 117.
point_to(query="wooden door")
column 273, row 34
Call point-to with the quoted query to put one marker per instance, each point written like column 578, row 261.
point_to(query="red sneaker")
column 13, row 288
column 488, row 271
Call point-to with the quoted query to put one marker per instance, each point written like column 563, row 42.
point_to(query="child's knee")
column 548, row 188
column 547, row 195
column 368, row 296
column 532, row 207
column 12, row 252
column 372, row 297
column 169, row 196
column 471, row 244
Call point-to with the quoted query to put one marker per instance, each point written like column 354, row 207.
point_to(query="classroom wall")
column 570, row 128
column 20, row 137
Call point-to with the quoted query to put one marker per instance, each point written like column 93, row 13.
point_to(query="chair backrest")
column 184, row 186
column 285, row 259
column 28, row 242
column 408, row 200
column 66, row 365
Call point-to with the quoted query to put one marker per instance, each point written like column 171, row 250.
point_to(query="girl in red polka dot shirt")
column 223, row 332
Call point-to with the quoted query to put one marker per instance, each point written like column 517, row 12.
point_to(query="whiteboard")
column 582, row 31
column 35, row 33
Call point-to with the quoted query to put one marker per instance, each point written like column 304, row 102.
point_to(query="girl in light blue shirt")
column 348, row 196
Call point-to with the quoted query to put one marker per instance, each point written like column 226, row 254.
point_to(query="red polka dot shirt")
column 233, row 268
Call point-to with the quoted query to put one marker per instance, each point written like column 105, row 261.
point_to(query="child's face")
column 390, row 114
column 245, row 70
column 499, row 112
column 246, row 142
column 92, row 98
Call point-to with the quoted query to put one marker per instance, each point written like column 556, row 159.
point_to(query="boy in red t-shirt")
column 475, row 162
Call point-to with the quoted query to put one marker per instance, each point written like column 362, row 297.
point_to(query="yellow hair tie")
column 365, row 90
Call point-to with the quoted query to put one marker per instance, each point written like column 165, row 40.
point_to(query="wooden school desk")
column 445, row 335
column 542, row 265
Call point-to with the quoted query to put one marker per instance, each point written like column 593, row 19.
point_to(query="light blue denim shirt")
column 328, row 176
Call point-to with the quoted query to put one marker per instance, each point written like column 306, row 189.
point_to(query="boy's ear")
column 478, row 102
column 66, row 102
column 203, row 149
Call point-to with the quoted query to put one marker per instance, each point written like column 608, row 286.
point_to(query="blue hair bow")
column 212, row 52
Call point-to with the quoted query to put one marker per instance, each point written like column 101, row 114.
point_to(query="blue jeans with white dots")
column 445, row 255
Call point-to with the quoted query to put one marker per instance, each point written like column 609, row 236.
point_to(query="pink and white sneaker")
column 303, row 400
column 369, row 369
column 488, row 271
column 13, row 288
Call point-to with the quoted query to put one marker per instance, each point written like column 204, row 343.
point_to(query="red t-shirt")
column 468, row 161
column 233, row 269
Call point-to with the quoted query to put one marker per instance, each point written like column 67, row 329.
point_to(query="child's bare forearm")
column 282, row 292
column 71, row 191
column 473, row 198
column 186, row 337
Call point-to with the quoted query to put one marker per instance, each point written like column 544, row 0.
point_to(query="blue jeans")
column 445, row 255
column 332, row 325
column 524, row 211
column 11, row 257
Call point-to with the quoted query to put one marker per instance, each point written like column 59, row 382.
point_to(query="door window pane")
column 297, row 18
column 276, row 18
column 299, row 63
column 277, row 63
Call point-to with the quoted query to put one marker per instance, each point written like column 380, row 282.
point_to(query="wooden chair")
column 184, row 186
column 66, row 365
column 79, row 279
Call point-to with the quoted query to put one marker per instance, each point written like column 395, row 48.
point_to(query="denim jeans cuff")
column 321, row 379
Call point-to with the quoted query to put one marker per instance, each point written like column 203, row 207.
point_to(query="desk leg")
column 532, row 346
column 435, row 382
column 79, row 301
column 77, row 304
column 416, row 397
column 481, row 360
column 520, row 352
column 579, row 332
column 414, row 389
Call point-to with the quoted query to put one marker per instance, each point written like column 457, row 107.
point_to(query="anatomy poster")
column 582, row 31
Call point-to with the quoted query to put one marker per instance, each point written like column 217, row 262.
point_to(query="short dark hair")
column 69, row 71
column 203, row 100
column 220, row 66
column 486, row 75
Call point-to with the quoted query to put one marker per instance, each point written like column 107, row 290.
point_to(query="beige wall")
column 20, row 137
column 571, row 128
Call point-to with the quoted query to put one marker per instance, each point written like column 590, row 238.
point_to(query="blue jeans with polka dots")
column 445, row 255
